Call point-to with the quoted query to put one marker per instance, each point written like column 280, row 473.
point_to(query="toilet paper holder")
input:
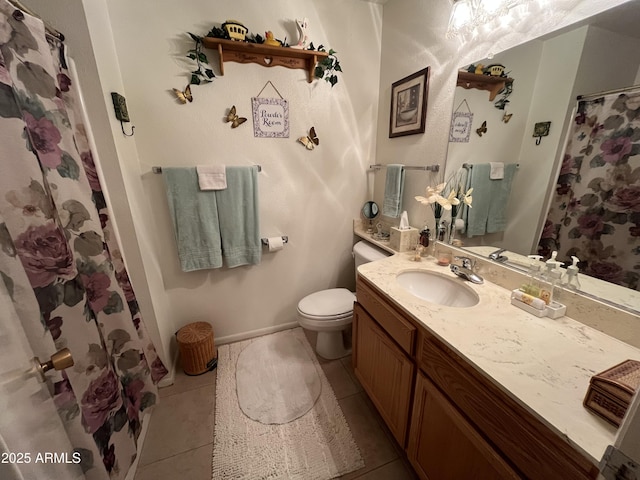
column 265, row 241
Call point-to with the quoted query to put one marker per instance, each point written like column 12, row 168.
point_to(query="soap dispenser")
column 572, row 282
column 555, row 280
column 550, row 265
column 548, row 278
column 532, row 287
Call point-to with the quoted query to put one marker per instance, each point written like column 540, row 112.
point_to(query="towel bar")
column 265, row 241
column 159, row 169
column 430, row 168
column 469, row 166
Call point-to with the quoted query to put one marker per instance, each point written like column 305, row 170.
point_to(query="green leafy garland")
column 201, row 73
column 326, row 69
column 328, row 66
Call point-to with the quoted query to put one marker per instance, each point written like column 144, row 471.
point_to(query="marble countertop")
column 543, row 364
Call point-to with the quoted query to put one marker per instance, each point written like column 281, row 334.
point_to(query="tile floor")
column 179, row 441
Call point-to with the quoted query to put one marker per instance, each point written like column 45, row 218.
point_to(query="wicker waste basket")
column 197, row 350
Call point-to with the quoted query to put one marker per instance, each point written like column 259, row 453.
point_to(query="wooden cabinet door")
column 444, row 446
column 385, row 372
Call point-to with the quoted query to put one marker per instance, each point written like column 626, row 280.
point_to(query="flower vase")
column 440, row 230
column 452, row 231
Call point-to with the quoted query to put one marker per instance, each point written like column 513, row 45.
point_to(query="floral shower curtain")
column 595, row 211
column 59, row 257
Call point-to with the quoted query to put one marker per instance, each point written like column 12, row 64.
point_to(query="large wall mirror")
column 597, row 55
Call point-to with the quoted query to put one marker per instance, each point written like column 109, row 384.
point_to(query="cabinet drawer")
column 401, row 330
column 532, row 447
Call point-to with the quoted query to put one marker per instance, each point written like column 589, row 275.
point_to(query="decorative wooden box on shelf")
column 265, row 55
column 483, row 82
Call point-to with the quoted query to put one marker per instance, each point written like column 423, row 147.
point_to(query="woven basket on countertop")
column 610, row 392
column 197, row 349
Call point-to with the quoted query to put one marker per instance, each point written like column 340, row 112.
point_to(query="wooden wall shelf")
column 265, row 55
column 493, row 85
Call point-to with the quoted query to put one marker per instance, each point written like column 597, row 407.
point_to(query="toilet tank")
column 365, row 252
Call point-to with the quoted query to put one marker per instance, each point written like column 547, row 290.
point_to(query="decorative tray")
column 610, row 392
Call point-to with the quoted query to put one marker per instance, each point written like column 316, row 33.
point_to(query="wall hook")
column 125, row 133
column 120, row 108
column 540, row 130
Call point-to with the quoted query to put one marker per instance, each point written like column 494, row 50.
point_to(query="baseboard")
column 144, row 421
column 255, row 333
column 170, row 377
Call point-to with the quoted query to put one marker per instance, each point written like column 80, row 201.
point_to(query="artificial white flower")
column 449, row 201
column 467, row 198
column 433, row 194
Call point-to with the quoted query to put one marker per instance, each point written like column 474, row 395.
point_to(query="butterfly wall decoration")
column 234, row 118
column 506, row 117
column 310, row 141
column 184, row 95
column 482, row 129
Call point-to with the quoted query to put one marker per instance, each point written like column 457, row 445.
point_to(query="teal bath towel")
column 393, row 189
column 490, row 200
column 194, row 213
column 238, row 216
column 497, row 220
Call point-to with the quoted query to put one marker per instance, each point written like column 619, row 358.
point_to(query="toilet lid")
column 335, row 301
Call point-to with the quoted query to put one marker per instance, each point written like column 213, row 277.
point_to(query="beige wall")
column 310, row 196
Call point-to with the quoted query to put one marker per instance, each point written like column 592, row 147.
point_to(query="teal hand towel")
column 393, row 189
column 194, row 214
column 238, row 216
column 476, row 221
column 497, row 218
column 466, row 208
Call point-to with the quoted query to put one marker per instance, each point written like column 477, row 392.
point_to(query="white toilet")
column 330, row 312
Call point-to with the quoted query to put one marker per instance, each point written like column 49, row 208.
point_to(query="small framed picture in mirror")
column 409, row 104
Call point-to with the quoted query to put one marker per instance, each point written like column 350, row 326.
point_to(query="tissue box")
column 403, row 240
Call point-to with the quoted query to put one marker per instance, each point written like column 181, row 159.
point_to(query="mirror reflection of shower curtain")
column 595, row 210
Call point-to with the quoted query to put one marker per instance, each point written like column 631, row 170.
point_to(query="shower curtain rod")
column 48, row 28
column 606, row 92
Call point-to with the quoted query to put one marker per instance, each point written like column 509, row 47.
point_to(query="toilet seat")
column 329, row 313
column 325, row 318
column 331, row 304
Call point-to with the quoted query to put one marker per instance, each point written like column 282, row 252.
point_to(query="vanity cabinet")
column 444, row 446
column 451, row 418
column 385, row 372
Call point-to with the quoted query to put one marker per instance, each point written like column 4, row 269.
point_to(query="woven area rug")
column 318, row 445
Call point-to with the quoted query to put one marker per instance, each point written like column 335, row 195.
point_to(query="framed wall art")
column 409, row 104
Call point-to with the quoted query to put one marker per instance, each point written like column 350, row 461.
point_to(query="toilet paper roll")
column 275, row 243
column 459, row 225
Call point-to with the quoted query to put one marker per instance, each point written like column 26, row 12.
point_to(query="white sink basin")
column 437, row 288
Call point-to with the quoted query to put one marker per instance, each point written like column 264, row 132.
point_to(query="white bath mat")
column 276, row 380
column 318, row 445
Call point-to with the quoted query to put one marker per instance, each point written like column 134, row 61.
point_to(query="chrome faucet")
column 466, row 262
column 497, row 255
column 466, row 270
